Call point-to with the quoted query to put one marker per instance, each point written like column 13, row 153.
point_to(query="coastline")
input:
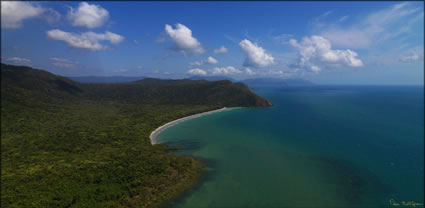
column 158, row 130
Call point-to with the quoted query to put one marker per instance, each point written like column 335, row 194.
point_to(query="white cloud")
column 88, row 15
column 343, row 18
column 326, row 14
column 109, row 36
column 197, row 72
column 256, row 55
column 19, row 60
column 376, row 27
column 196, row 63
column 412, row 55
column 212, row 60
column 226, row 70
column 14, row 12
column 62, row 62
column 315, row 68
column 249, row 71
column 409, row 58
column 221, row 50
column 317, row 51
column 87, row 40
column 183, row 39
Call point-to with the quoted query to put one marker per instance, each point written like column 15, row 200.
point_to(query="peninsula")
column 66, row 143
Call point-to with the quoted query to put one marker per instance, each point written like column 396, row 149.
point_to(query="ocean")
column 317, row 146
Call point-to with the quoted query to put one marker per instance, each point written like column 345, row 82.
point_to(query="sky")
column 367, row 43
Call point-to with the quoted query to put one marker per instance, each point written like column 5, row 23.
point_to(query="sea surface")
column 321, row 146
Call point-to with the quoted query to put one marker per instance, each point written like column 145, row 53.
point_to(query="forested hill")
column 69, row 144
column 21, row 84
column 187, row 92
column 105, row 79
column 34, row 84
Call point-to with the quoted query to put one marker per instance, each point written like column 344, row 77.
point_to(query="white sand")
column 157, row 131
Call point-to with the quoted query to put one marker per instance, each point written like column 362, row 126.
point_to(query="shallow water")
column 335, row 146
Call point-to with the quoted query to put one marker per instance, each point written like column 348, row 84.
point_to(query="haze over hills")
column 264, row 81
column 211, row 78
column 268, row 81
column 123, row 79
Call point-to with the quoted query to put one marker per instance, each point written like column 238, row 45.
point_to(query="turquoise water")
column 327, row 146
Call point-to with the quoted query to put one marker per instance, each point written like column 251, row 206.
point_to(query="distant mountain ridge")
column 211, row 78
column 38, row 85
column 105, row 79
column 276, row 82
column 123, row 79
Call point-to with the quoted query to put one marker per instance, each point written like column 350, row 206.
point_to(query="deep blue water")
column 321, row 146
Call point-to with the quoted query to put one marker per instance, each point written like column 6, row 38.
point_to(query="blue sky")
column 326, row 42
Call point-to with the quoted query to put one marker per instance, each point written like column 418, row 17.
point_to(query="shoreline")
column 158, row 130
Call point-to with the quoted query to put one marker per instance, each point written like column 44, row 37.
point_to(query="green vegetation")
column 67, row 144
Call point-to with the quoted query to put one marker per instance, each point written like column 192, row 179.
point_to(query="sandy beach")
column 157, row 131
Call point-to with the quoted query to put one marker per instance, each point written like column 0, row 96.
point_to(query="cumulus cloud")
column 225, row 70
column 88, row 15
column 197, row 72
column 221, row 50
column 183, row 40
column 13, row 13
column 256, row 55
column 19, row 60
column 212, row 60
column 317, row 51
column 87, row 40
column 228, row 70
column 62, row 62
